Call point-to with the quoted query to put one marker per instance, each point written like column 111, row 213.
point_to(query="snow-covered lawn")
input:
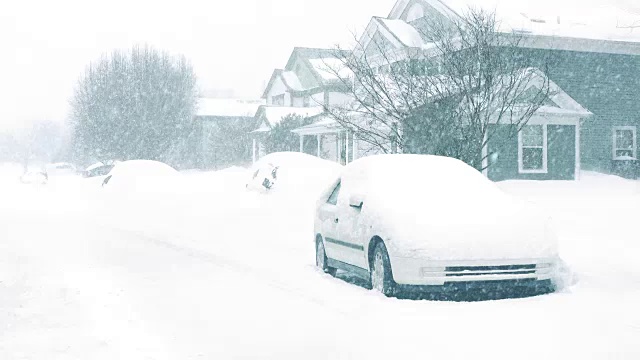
column 212, row 271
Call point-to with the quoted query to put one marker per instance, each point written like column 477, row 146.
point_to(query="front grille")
column 490, row 270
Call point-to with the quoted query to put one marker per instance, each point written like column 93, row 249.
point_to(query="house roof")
column 325, row 124
column 228, row 107
column 593, row 19
column 291, row 81
column 315, row 60
column 311, row 58
column 274, row 75
column 331, row 69
column 402, row 31
column 272, row 115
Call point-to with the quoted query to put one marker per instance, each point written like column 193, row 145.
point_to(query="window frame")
column 545, row 148
column 280, row 98
column 614, row 145
column 336, row 192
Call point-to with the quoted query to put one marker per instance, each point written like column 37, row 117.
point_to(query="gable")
column 411, row 10
column 531, row 94
column 276, row 87
column 378, row 45
column 302, row 70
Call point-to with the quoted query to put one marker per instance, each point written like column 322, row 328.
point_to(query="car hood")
column 505, row 228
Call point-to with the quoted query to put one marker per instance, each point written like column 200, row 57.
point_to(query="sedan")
column 422, row 222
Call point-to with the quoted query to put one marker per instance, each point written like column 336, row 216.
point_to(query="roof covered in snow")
column 588, row 19
column 324, row 124
column 228, row 107
column 331, row 68
column 274, row 114
column 404, row 32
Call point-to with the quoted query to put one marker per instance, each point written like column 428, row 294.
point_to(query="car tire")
column 321, row 259
column 380, row 271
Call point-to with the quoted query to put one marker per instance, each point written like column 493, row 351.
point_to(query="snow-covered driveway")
column 213, row 272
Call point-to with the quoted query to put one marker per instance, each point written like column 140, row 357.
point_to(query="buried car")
column 35, row 177
column 99, row 169
column 422, row 222
column 292, row 173
column 141, row 175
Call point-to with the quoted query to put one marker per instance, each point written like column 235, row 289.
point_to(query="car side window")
column 333, row 198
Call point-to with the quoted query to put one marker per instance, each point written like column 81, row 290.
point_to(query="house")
column 223, row 131
column 311, row 80
column 590, row 119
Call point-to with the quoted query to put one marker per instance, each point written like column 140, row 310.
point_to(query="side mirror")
column 356, row 201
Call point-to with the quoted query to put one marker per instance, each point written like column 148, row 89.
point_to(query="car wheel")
column 321, row 259
column 381, row 275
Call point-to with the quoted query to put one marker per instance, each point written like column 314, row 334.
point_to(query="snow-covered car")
column 98, row 169
column 141, row 175
column 34, row 177
column 420, row 222
column 292, row 173
column 61, row 168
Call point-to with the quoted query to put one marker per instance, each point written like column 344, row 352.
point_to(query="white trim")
column 356, row 147
column 614, row 144
column 301, row 143
column 485, row 158
column 545, row 144
column 347, row 146
column 605, row 46
column 254, row 150
column 578, row 165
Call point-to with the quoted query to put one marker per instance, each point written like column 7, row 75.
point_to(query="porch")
column 332, row 142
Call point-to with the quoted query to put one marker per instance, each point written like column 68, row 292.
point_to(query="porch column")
column 338, row 146
column 346, row 139
column 319, row 144
column 301, row 143
column 576, row 175
column 355, row 147
column 254, row 149
column 485, row 157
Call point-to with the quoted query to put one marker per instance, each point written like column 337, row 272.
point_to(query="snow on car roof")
column 413, row 174
column 144, row 168
column 298, row 174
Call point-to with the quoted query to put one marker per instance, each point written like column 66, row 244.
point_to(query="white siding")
column 278, row 88
column 297, row 102
column 317, row 99
column 337, row 98
column 329, row 147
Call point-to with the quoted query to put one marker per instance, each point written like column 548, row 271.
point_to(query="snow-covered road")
column 214, row 272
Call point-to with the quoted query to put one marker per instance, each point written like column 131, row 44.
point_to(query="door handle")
column 335, row 220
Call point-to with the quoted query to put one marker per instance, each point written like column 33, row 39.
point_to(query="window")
column 277, row 100
column 306, row 100
column 333, row 198
column 624, row 143
column 532, row 149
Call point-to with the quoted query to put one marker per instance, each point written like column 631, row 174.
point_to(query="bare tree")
column 446, row 97
column 138, row 104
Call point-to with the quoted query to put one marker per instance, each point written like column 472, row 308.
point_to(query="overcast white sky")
column 232, row 44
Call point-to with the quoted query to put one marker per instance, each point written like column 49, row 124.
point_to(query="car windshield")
column 306, row 179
